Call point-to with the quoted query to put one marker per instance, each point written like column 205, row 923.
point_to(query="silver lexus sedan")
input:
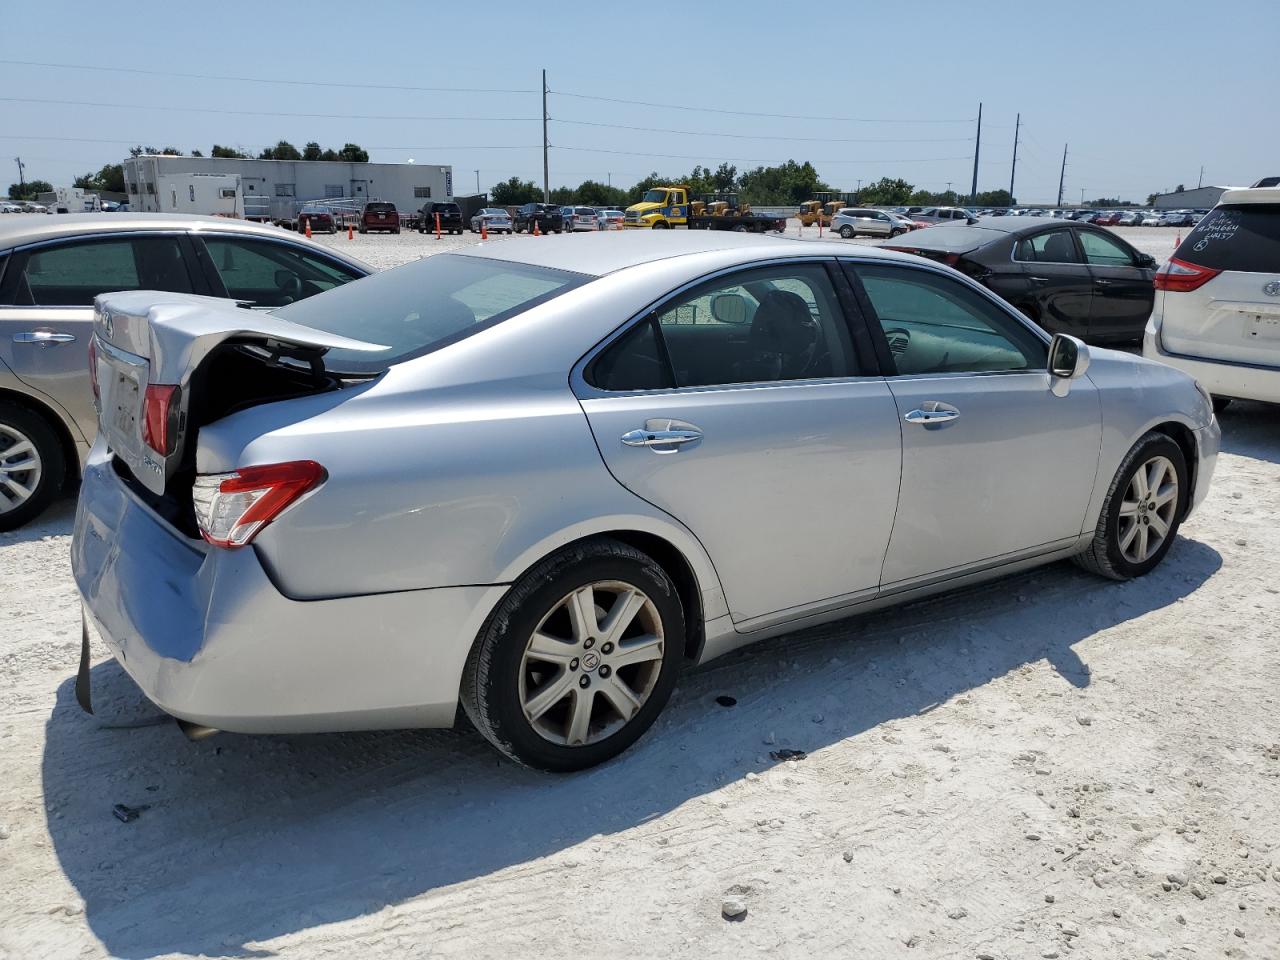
column 539, row 478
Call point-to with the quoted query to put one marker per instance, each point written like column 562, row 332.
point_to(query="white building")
column 273, row 189
column 1197, row 198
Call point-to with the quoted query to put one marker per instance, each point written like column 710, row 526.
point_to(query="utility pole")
column 1200, row 182
column 609, row 177
column 477, row 182
column 1063, row 174
column 1082, row 196
column 977, row 147
column 22, row 182
column 546, row 169
column 1014, row 166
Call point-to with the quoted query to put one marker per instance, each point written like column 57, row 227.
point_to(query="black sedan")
column 1067, row 276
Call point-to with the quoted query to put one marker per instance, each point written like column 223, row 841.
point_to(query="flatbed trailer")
column 739, row 222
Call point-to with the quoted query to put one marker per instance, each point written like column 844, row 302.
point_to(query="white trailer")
column 215, row 194
column 70, row 200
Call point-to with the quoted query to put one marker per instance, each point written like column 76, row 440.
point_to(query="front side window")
column 936, row 324
column 72, row 274
column 1101, row 250
column 270, row 274
column 1056, row 246
column 763, row 325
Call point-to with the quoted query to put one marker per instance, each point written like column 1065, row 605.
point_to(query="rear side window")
column 72, row 274
column 1056, row 246
column 426, row 305
column 1244, row 237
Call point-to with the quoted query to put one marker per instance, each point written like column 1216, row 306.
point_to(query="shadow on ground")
column 249, row 838
column 1251, row 430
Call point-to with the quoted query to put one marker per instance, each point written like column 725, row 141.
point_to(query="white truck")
column 215, row 194
column 70, row 200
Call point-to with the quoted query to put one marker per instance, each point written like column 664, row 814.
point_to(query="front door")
column 46, row 307
column 741, row 410
column 993, row 464
column 1123, row 292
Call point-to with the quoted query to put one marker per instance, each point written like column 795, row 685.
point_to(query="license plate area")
column 123, row 406
column 1260, row 326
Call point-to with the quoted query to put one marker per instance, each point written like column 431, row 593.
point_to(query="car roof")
column 19, row 231
column 601, row 253
column 1251, row 195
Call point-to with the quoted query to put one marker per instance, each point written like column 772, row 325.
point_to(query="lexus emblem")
column 590, row 661
column 108, row 325
column 1272, row 289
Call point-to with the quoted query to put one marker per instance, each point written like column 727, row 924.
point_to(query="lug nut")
column 604, row 671
column 584, row 681
column 573, row 664
column 607, row 649
column 588, row 643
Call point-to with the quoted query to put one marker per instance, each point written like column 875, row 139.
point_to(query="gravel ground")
column 1050, row 765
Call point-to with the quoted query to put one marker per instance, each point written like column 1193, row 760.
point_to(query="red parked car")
column 321, row 220
column 1109, row 219
column 379, row 215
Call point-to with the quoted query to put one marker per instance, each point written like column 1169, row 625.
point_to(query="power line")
column 257, row 113
column 756, row 136
column 294, row 83
column 739, row 113
column 706, row 159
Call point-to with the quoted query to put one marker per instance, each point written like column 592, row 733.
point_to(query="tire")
column 495, row 680
column 662, row 225
column 740, row 228
column 20, row 425
column 1105, row 555
column 847, row 232
column 396, row 230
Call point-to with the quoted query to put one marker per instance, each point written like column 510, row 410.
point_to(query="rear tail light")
column 160, row 417
column 93, row 369
column 232, row 507
column 1180, row 276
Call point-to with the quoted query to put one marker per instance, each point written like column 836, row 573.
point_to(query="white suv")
column 1217, row 307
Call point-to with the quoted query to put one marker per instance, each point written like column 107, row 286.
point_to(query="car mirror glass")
column 1068, row 360
column 729, row 308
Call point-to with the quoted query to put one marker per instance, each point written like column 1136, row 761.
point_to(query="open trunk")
column 164, row 365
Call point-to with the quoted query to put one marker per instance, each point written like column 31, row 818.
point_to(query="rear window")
column 1244, row 237
column 426, row 305
column 380, row 208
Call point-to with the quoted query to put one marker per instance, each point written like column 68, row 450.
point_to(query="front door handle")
column 1103, row 283
column 43, row 338
column 932, row 412
column 1040, row 279
column 661, row 441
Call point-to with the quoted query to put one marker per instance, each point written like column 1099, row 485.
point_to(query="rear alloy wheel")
column 847, row 232
column 31, row 465
column 1142, row 512
column 578, row 659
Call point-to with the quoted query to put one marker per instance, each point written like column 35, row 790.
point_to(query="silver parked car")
column 858, row 221
column 541, row 477
column 491, row 220
column 50, row 271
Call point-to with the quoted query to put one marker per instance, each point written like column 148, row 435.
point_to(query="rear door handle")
column 1103, row 283
column 1040, row 279
column 44, row 338
column 932, row 412
column 665, row 438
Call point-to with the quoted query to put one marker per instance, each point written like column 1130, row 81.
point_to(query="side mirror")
column 1068, row 360
column 729, row 308
column 1146, row 260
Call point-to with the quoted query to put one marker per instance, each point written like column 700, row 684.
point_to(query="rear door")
column 1235, row 315
column 994, row 465
column 1122, row 290
column 46, row 306
column 1059, row 287
column 740, row 408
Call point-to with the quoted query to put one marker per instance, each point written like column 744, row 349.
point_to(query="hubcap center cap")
column 590, row 661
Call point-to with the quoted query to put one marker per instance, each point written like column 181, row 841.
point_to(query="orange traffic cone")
column 484, row 230
column 351, row 234
column 1177, row 241
column 536, row 231
column 308, row 223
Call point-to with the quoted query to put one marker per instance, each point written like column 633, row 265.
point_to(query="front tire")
column 847, row 232
column 1142, row 512
column 578, row 659
column 32, row 465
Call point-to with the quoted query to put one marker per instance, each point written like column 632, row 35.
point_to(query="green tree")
column 85, row 182
column 514, row 192
column 994, row 198
column 312, row 151
column 283, row 150
column 29, row 191
column 785, row 184
column 353, row 153
column 1151, row 199
column 171, row 152
column 139, row 151
column 599, row 194
column 562, row 195
column 228, row 153
column 887, row 192
column 196, row 153
column 725, row 179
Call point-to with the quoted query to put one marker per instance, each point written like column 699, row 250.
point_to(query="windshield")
column 493, row 212
column 423, row 306
column 655, row 196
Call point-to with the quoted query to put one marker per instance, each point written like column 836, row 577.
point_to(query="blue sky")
column 1145, row 93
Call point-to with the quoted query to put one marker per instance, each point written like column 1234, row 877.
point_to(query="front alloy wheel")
column 578, row 659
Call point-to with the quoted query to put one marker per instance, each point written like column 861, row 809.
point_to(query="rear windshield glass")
column 380, row 207
column 425, row 305
column 1243, row 237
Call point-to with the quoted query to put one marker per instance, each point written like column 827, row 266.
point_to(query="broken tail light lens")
column 160, row 417
column 231, row 508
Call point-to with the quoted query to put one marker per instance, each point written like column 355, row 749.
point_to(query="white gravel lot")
column 1050, row 765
